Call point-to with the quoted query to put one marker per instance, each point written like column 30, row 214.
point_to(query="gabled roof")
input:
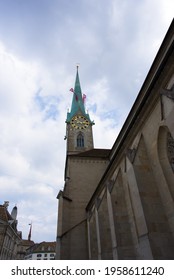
column 44, row 247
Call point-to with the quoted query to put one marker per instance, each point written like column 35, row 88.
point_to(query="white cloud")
column 29, row 156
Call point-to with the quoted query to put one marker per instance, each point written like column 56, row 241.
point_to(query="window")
column 80, row 140
column 39, row 255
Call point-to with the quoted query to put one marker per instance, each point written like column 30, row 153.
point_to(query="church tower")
column 79, row 126
column 84, row 167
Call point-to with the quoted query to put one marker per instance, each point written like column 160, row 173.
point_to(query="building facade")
column 10, row 237
column 119, row 203
column 22, row 248
column 41, row 251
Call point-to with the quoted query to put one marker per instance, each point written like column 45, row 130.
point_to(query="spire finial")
column 77, row 65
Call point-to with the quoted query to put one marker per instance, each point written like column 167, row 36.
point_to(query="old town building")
column 41, row 251
column 119, row 203
column 10, row 237
column 23, row 246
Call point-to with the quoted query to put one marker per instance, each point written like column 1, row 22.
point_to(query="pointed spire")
column 77, row 87
column 77, row 101
column 14, row 213
column 29, row 235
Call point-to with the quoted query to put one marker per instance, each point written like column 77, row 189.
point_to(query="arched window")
column 80, row 140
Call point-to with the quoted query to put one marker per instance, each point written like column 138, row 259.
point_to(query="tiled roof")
column 26, row 242
column 45, row 247
column 99, row 153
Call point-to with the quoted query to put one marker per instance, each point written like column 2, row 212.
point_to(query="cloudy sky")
column 41, row 41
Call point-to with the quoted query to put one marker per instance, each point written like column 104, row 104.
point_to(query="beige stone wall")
column 83, row 176
column 142, row 193
column 104, row 228
column 72, row 134
column 138, row 190
column 9, row 243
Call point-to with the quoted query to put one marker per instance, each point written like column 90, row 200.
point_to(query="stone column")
column 98, row 233
column 112, row 225
column 89, row 240
column 143, row 247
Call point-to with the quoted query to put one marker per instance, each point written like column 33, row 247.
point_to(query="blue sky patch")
column 48, row 105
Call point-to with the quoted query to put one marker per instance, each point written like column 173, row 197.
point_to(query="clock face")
column 79, row 122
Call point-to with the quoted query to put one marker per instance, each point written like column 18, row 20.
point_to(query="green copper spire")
column 77, row 105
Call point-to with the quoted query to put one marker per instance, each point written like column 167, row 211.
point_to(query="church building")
column 118, row 203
